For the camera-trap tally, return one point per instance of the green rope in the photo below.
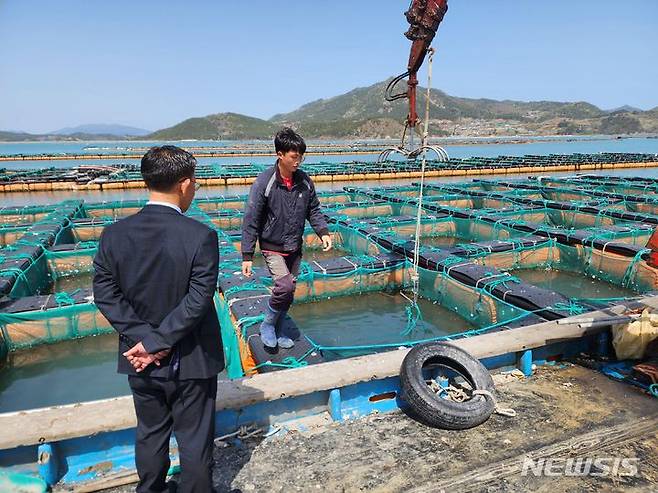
(414, 315)
(245, 322)
(288, 361)
(501, 279)
(22, 256)
(64, 298)
(10, 271)
(249, 286)
(229, 264)
(454, 260)
(632, 268)
(604, 300)
(84, 245)
(572, 308)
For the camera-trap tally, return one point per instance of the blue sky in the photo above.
(152, 64)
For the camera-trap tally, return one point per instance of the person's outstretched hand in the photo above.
(246, 268)
(326, 243)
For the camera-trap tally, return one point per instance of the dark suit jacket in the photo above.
(156, 274)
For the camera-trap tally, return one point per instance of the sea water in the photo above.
(64, 373)
(372, 318)
(571, 284)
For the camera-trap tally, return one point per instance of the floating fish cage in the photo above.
(480, 243)
(218, 150)
(126, 176)
(493, 257)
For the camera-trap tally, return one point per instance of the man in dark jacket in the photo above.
(156, 275)
(280, 201)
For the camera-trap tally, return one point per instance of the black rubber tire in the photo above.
(435, 411)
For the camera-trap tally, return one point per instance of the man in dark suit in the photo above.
(156, 275)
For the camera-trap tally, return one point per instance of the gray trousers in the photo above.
(284, 271)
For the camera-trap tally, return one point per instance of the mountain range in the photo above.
(364, 113)
(103, 129)
(94, 131)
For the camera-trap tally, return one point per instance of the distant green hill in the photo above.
(222, 126)
(368, 102)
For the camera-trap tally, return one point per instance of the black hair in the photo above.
(164, 166)
(288, 140)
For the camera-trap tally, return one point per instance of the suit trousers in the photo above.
(186, 407)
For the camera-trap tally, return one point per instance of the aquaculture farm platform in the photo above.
(118, 176)
(563, 411)
(479, 240)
